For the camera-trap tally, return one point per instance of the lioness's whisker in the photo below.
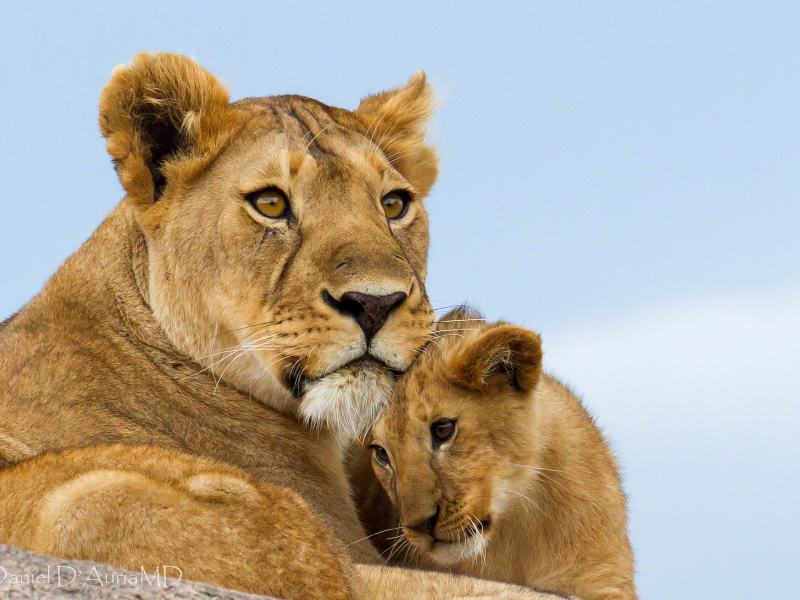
(244, 347)
(441, 337)
(432, 341)
(238, 355)
(294, 366)
(459, 320)
(228, 352)
(264, 324)
(425, 350)
(446, 331)
(275, 362)
(240, 345)
(446, 307)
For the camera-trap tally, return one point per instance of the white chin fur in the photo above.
(347, 402)
(449, 554)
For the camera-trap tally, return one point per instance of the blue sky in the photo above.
(622, 178)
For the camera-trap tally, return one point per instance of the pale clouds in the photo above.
(700, 401)
(714, 358)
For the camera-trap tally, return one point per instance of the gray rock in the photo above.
(28, 576)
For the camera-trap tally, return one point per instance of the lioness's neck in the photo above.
(108, 275)
(88, 346)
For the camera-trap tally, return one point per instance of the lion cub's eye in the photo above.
(395, 204)
(270, 202)
(443, 430)
(380, 454)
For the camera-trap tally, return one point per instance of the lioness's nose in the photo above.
(426, 525)
(370, 312)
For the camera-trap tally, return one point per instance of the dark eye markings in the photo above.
(442, 431)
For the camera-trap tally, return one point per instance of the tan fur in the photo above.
(527, 491)
(190, 322)
(144, 507)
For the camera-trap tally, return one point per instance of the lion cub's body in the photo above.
(142, 508)
(526, 490)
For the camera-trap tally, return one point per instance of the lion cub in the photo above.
(495, 470)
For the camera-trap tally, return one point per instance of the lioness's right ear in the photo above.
(397, 121)
(162, 108)
(504, 354)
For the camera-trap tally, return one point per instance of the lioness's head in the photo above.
(449, 446)
(286, 240)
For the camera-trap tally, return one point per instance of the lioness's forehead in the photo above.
(284, 136)
(320, 130)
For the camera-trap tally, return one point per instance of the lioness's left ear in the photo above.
(397, 121)
(513, 353)
(160, 110)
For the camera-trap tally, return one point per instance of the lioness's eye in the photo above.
(395, 204)
(443, 430)
(270, 202)
(380, 454)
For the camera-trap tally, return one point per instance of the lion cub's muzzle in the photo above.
(450, 534)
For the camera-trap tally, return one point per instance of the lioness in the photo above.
(494, 470)
(247, 301)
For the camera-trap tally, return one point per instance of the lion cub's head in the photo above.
(448, 446)
(285, 240)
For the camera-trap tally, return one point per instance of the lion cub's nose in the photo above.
(426, 525)
(370, 312)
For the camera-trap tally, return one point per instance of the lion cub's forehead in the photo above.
(420, 395)
(429, 387)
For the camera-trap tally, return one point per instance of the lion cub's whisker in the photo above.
(541, 472)
(366, 537)
(536, 506)
(536, 468)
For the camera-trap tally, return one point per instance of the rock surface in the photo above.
(28, 576)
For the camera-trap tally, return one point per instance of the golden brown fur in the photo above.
(92, 504)
(526, 490)
(189, 321)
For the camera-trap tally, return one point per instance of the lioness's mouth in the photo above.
(347, 401)
(299, 384)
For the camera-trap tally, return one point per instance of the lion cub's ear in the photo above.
(504, 354)
(397, 121)
(160, 110)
